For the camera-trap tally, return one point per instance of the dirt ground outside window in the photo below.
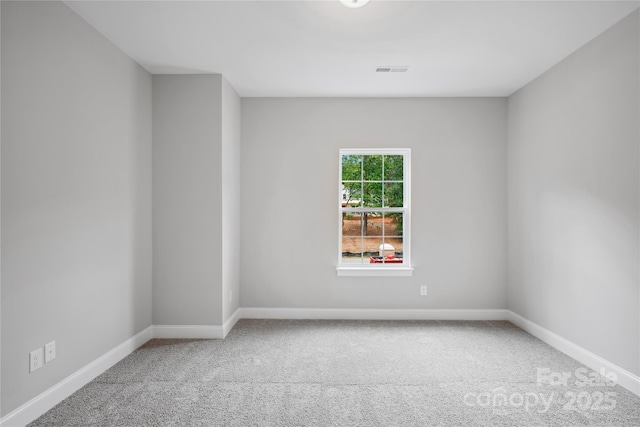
(352, 232)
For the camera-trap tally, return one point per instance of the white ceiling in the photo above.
(321, 48)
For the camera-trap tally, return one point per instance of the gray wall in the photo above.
(574, 195)
(231, 141)
(187, 195)
(289, 213)
(76, 195)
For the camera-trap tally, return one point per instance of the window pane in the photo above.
(351, 168)
(372, 224)
(372, 246)
(393, 168)
(381, 252)
(393, 197)
(352, 250)
(393, 250)
(351, 194)
(352, 224)
(372, 194)
(393, 224)
(372, 168)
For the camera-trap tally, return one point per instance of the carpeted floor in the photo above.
(350, 373)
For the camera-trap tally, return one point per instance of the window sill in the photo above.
(375, 271)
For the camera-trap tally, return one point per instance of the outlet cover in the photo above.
(49, 352)
(35, 360)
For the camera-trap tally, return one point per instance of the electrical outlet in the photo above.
(49, 352)
(35, 360)
(423, 290)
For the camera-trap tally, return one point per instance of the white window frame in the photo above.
(404, 269)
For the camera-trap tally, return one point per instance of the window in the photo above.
(374, 207)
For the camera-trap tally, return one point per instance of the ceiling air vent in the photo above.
(391, 69)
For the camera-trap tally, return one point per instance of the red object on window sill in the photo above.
(385, 260)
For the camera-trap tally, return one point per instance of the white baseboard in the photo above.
(230, 323)
(65, 388)
(625, 378)
(188, 331)
(371, 314)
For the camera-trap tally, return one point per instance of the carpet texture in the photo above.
(350, 373)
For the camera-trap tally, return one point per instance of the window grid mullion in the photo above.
(362, 218)
(374, 210)
(372, 180)
(383, 247)
(382, 191)
(361, 240)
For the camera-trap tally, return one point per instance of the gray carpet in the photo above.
(347, 373)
